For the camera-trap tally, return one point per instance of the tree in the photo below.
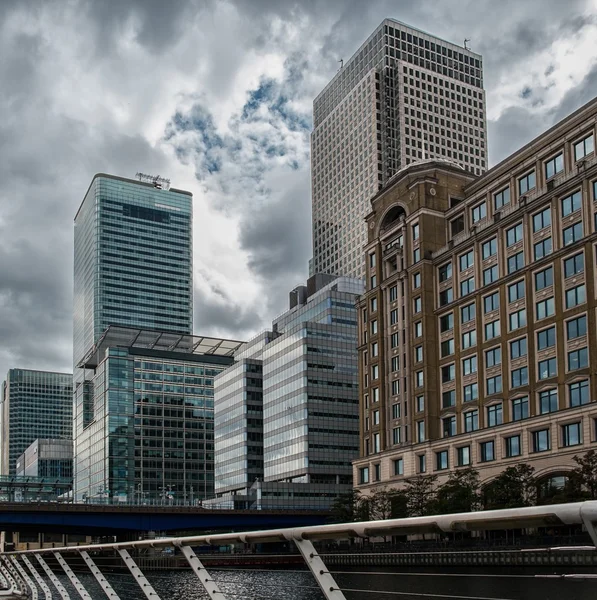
(350, 506)
(460, 493)
(420, 495)
(387, 504)
(512, 488)
(584, 474)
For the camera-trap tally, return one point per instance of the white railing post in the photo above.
(204, 577)
(145, 586)
(30, 584)
(109, 591)
(73, 578)
(61, 589)
(16, 587)
(42, 584)
(324, 579)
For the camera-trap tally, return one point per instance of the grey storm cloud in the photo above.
(217, 93)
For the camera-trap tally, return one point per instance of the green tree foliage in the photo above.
(420, 495)
(584, 476)
(387, 504)
(512, 488)
(349, 507)
(460, 493)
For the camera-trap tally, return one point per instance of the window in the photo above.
(399, 466)
(395, 387)
(492, 330)
(493, 357)
(576, 328)
(520, 377)
(526, 183)
(467, 313)
(520, 408)
(420, 403)
(445, 272)
(416, 280)
(394, 316)
(547, 368)
(449, 426)
(416, 255)
(395, 363)
(545, 308)
(516, 291)
(518, 348)
(418, 353)
(419, 379)
(490, 275)
(441, 460)
(469, 339)
(448, 373)
(571, 204)
(376, 443)
(446, 296)
(512, 445)
(494, 385)
(546, 338)
(541, 440)
(420, 431)
(374, 327)
(375, 372)
(501, 198)
(572, 234)
(548, 401)
(489, 248)
(515, 262)
(396, 435)
(418, 329)
(396, 411)
(542, 219)
(422, 463)
(394, 340)
(375, 417)
(578, 359)
(467, 286)
(518, 319)
(374, 349)
(415, 229)
(446, 322)
(514, 235)
(469, 365)
(463, 456)
(554, 165)
(542, 249)
(471, 392)
(447, 347)
(494, 415)
(584, 147)
(487, 451)
(571, 434)
(544, 278)
(394, 293)
(471, 421)
(457, 225)
(574, 265)
(373, 305)
(575, 296)
(491, 302)
(364, 475)
(375, 392)
(579, 393)
(372, 260)
(373, 281)
(479, 212)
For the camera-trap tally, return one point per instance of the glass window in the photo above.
(420, 403)
(575, 296)
(467, 313)
(364, 475)
(546, 338)
(399, 466)
(514, 235)
(374, 327)
(501, 198)
(494, 385)
(416, 255)
(419, 379)
(467, 286)
(395, 386)
(396, 435)
(518, 348)
(374, 349)
(520, 408)
(375, 372)
(520, 377)
(515, 262)
(420, 431)
(447, 347)
(572, 234)
(457, 225)
(394, 316)
(394, 340)
(449, 426)
(542, 249)
(545, 308)
(415, 231)
(469, 339)
(479, 212)
(490, 275)
(542, 219)
(467, 260)
(448, 399)
(375, 392)
(579, 393)
(471, 421)
(418, 353)
(445, 272)
(442, 460)
(512, 446)
(448, 373)
(419, 329)
(489, 248)
(544, 278)
(571, 434)
(376, 443)
(464, 456)
(548, 401)
(547, 368)
(373, 281)
(393, 293)
(422, 463)
(493, 357)
(487, 451)
(518, 319)
(494, 415)
(416, 280)
(396, 410)
(492, 330)
(571, 203)
(541, 440)
(576, 328)
(446, 322)
(584, 147)
(516, 291)
(526, 183)
(469, 365)
(554, 165)
(372, 260)
(574, 265)
(578, 359)
(446, 296)
(491, 302)
(375, 417)
(471, 392)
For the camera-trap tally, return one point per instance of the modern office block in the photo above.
(148, 434)
(286, 413)
(478, 329)
(35, 404)
(403, 96)
(51, 459)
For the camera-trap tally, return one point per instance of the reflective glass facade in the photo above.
(35, 404)
(47, 459)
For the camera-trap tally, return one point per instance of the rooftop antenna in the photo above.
(465, 46)
(341, 61)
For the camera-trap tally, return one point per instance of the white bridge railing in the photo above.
(28, 573)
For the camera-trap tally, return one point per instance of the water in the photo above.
(406, 584)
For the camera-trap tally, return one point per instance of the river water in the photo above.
(367, 584)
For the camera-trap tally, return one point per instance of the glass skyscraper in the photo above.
(35, 404)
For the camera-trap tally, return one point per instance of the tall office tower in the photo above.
(477, 330)
(286, 413)
(403, 96)
(35, 404)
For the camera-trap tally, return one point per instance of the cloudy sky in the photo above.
(217, 95)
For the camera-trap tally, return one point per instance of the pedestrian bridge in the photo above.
(94, 519)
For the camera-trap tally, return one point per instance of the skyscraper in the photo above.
(403, 96)
(35, 404)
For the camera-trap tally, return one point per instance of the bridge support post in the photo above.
(16, 586)
(42, 584)
(30, 584)
(61, 589)
(204, 577)
(99, 576)
(73, 578)
(324, 579)
(145, 586)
